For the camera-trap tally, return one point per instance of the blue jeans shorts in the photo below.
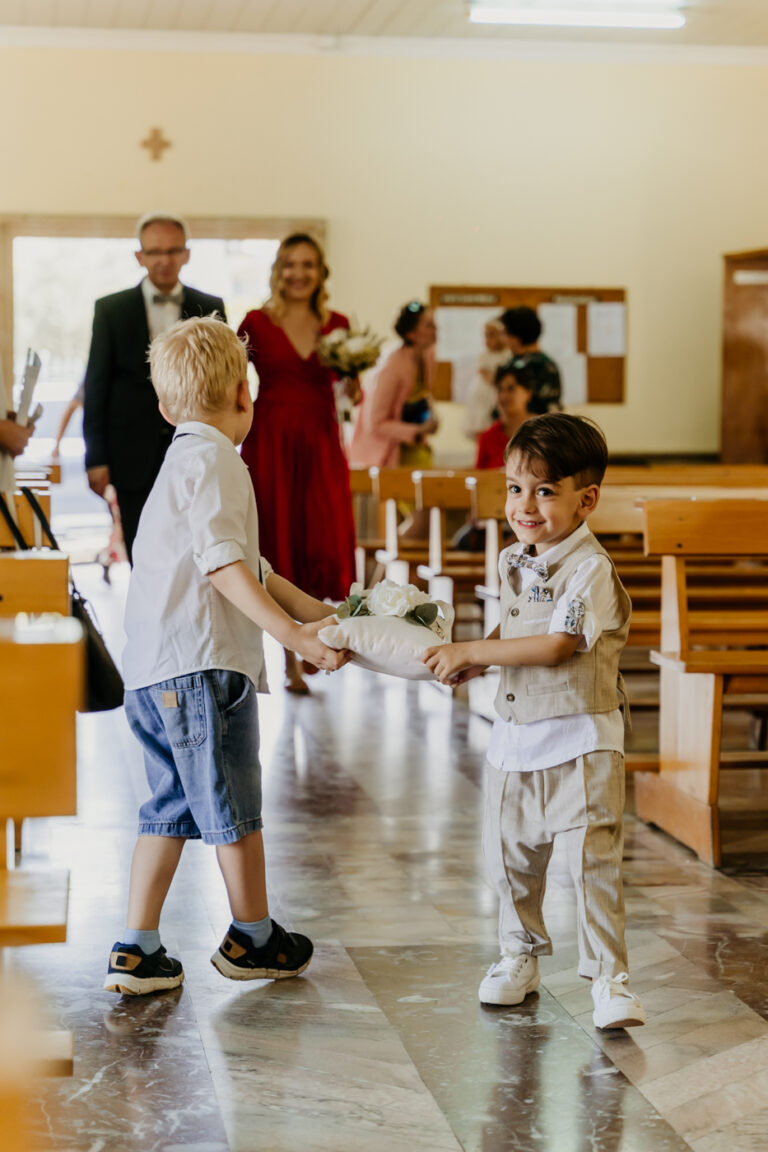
(200, 736)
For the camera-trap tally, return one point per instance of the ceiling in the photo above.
(710, 23)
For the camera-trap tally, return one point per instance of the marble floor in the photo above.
(372, 815)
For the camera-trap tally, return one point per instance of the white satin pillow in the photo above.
(384, 644)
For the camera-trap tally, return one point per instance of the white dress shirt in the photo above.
(556, 740)
(200, 516)
(161, 316)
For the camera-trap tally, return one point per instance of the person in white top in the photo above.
(200, 595)
(556, 757)
(480, 406)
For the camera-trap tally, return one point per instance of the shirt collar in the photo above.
(558, 551)
(206, 431)
(149, 290)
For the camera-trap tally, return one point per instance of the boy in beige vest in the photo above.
(556, 756)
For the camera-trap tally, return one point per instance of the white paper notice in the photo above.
(558, 338)
(462, 377)
(573, 378)
(606, 329)
(460, 331)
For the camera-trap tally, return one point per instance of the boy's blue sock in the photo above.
(147, 939)
(259, 931)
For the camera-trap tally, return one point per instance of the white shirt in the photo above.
(160, 317)
(200, 516)
(556, 740)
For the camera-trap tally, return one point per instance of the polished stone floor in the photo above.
(372, 815)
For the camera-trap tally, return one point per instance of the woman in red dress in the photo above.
(293, 450)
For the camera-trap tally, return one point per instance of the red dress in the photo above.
(490, 447)
(299, 471)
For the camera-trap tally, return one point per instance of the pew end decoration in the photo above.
(389, 627)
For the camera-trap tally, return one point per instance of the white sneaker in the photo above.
(615, 1005)
(510, 980)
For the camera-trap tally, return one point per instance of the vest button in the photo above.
(510, 697)
(514, 611)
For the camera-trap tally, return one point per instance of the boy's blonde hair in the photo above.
(195, 365)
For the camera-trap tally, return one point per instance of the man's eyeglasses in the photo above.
(156, 253)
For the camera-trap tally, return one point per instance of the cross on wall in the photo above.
(156, 143)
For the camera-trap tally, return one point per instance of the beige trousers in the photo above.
(583, 803)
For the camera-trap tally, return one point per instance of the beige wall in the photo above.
(628, 174)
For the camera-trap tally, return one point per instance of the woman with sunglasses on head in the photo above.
(396, 415)
(293, 450)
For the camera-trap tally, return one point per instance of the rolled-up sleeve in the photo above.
(216, 513)
(589, 604)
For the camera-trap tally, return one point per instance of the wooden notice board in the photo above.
(584, 331)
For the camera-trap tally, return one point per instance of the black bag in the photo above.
(104, 688)
(416, 411)
(103, 684)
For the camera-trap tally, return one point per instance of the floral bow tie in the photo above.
(525, 560)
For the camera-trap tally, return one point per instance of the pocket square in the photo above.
(540, 595)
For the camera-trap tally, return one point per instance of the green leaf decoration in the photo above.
(425, 614)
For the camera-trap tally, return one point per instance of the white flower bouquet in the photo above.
(389, 628)
(349, 351)
(404, 600)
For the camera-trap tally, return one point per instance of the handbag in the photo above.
(104, 686)
(416, 411)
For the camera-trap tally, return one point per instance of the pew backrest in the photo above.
(677, 530)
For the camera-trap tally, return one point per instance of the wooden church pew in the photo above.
(41, 686)
(28, 524)
(703, 658)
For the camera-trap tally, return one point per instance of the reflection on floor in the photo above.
(372, 812)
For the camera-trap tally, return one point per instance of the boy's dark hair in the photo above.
(558, 445)
(523, 323)
(408, 318)
(519, 370)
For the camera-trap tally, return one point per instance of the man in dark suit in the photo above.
(126, 438)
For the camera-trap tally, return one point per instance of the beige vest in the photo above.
(588, 681)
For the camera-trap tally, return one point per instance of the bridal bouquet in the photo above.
(349, 351)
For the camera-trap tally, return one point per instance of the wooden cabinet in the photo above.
(744, 421)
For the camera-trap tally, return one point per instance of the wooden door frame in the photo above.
(121, 227)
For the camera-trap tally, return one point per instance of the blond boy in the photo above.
(199, 597)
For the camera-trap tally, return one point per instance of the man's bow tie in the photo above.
(525, 560)
(159, 298)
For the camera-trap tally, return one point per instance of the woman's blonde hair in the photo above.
(276, 304)
(195, 365)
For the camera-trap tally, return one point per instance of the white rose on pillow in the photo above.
(385, 641)
(389, 599)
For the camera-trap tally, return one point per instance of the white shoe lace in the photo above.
(613, 986)
(508, 965)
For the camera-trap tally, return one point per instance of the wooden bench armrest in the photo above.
(33, 907)
(718, 663)
(53, 1053)
(483, 592)
(456, 571)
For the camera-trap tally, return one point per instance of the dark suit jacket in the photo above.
(121, 422)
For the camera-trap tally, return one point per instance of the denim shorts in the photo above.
(200, 736)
